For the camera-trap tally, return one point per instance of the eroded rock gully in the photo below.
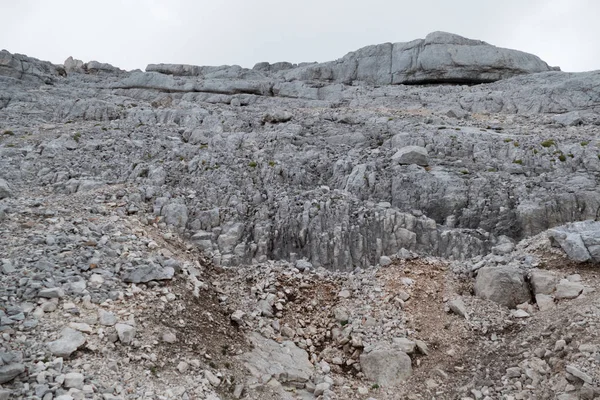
(301, 231)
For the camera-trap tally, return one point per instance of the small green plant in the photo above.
(203, 146)
(252, 164)
(584, 143)
(516, 144)
(492, 170)
(9, 133)
(212, 364)
(69, 122)
(375, 386)
(570, 155)
(76, 136)
(390, 118)
(535, 151)
(104, 128)
(548, 143)
(508, 140)
(520, 162)
(562, 158)
(153, 370)
(464, 172)
(271, 163)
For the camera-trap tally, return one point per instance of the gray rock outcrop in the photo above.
(580, 240)
(439, 58)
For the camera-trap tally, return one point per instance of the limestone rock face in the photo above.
(503, 285)
(28, 69)
(439, 58)
(580, 240)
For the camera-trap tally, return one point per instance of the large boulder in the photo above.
(411, 155)
(386, 367)
(285, 362)
(439, 58)
(503, 285)
(68, 343)
(579, 240)
(444, 57)
(10, 372)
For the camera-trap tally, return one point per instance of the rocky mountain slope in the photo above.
(372, 227)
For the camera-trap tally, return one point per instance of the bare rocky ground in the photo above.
(299, 232)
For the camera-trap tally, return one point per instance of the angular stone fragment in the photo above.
(10, 371)
(457, 306)
(568, 290)
(68, 343)
(5, 190)
(125, 332)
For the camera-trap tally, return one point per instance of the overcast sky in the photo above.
(133, 33)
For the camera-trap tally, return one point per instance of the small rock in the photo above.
(568, 290)
(149, 273)
(384, 261)
(321, 388)
(212, 379)
(81, 327)
(73, 380)
(303, 265)
(51, 293)
(126, 333)
(344, 294)
(579, 374)
(182, 367)
(238, 317)
(457, 306)
(169, 337)
(520, 314)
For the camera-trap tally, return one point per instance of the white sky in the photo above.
(133, 33)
